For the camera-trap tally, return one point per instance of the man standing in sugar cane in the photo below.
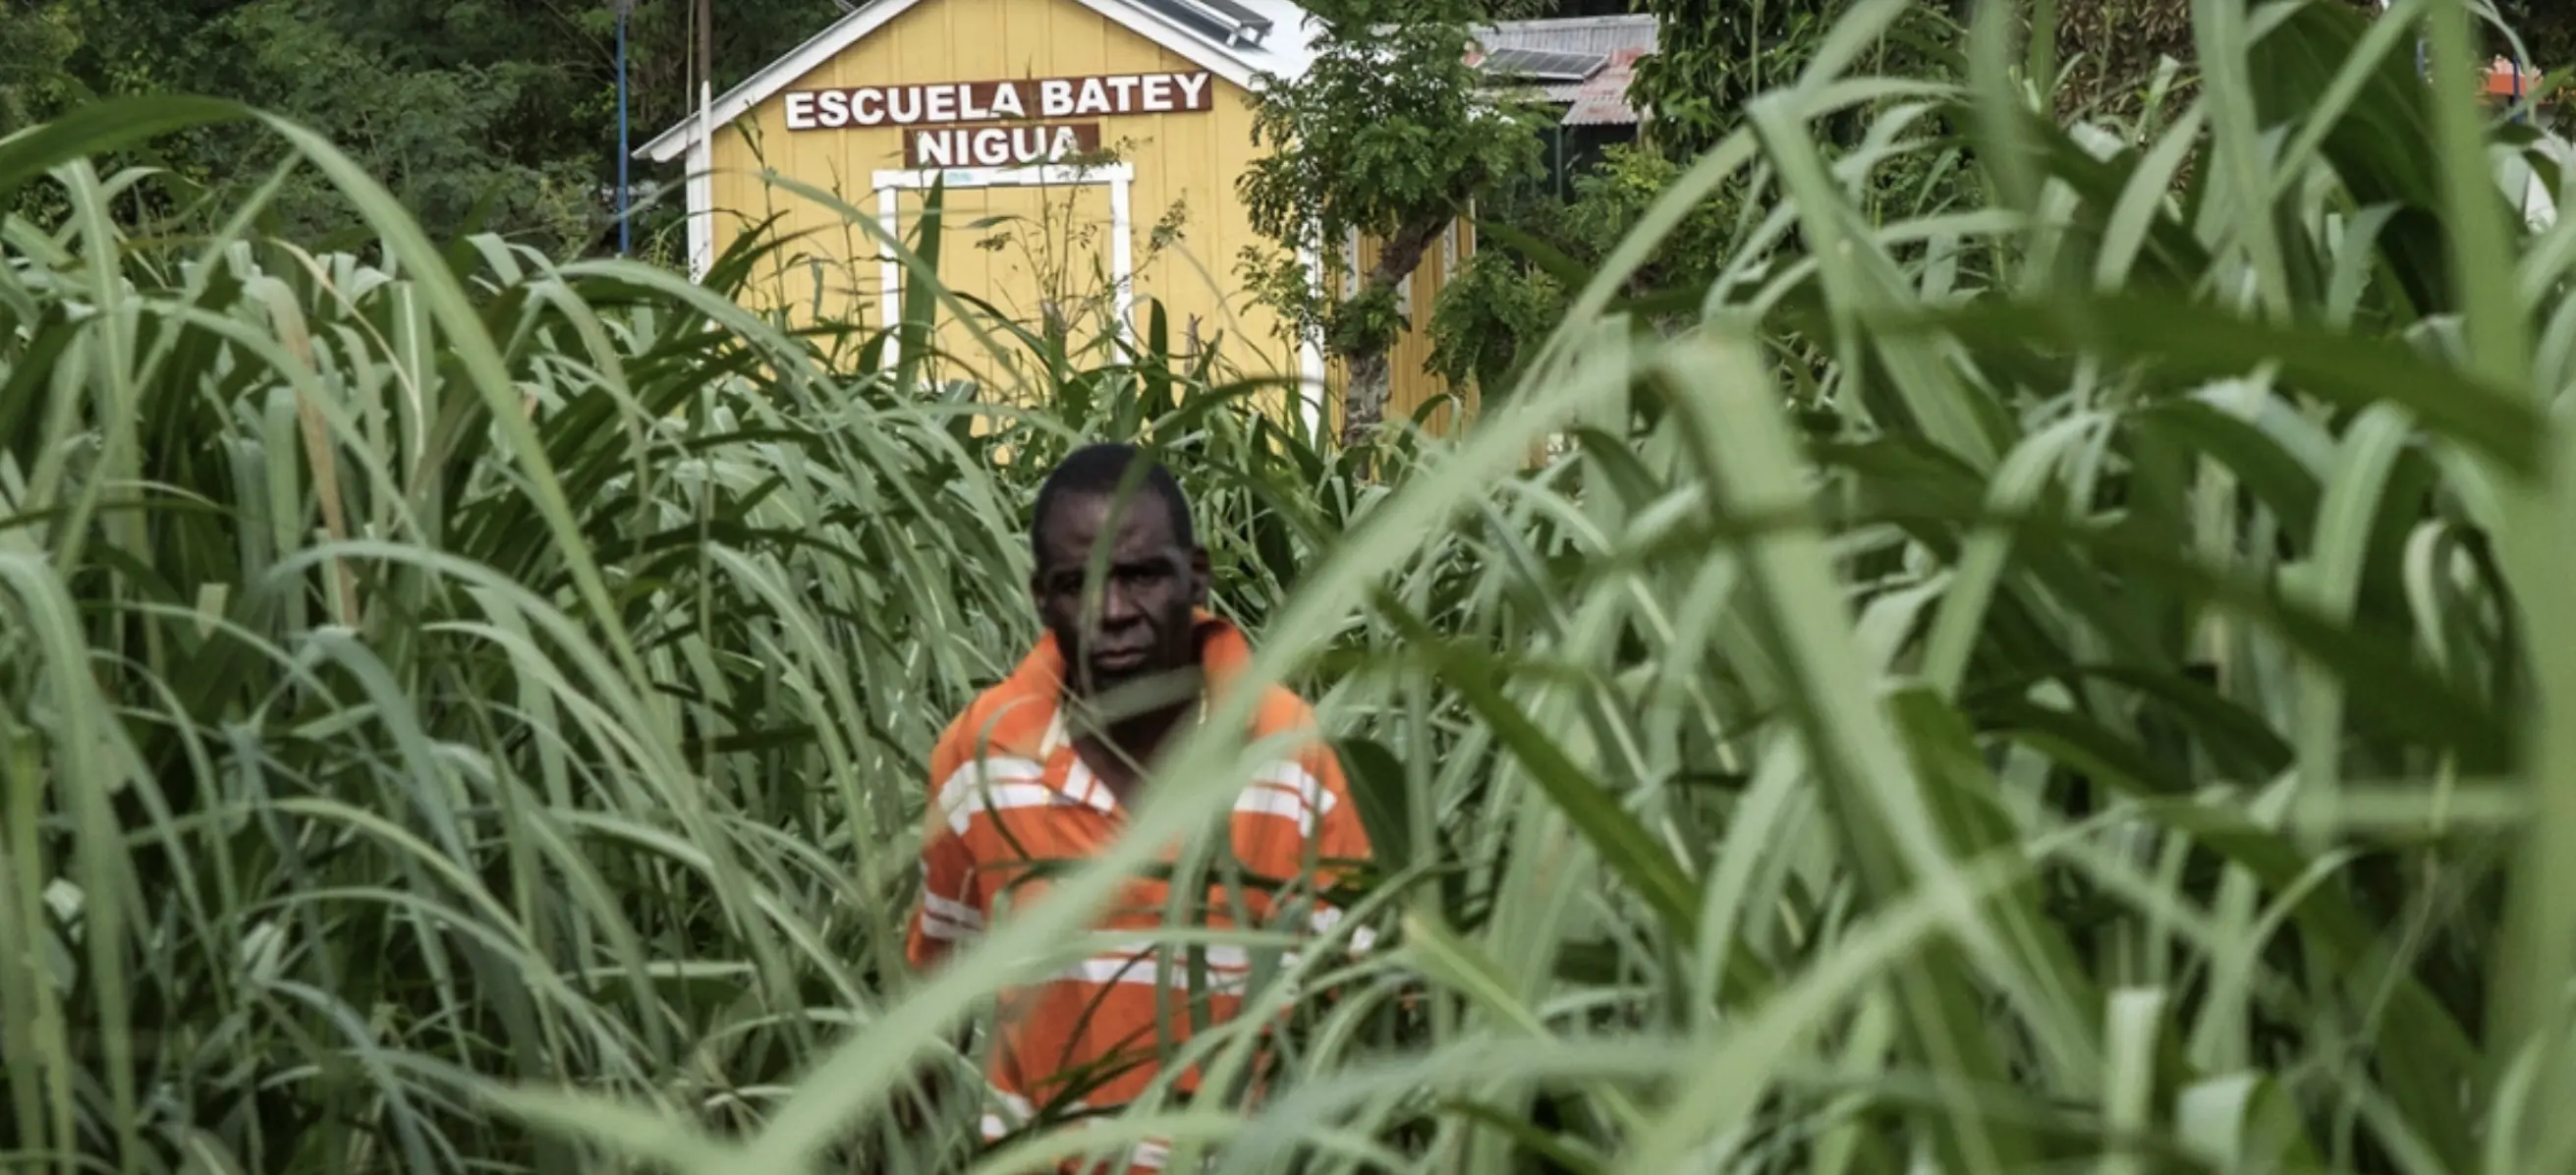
(1047, 766)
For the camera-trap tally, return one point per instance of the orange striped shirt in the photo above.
(1010, 792)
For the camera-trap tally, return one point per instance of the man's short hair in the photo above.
(1102, 471)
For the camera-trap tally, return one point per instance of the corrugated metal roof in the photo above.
(1573, 34)
(1599, 100)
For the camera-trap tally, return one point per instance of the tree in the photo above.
(494, 109)
(2547, 32)
(1711, 56)
(35, 42)
(1392, 133)
(2547, 28)
(1486, 317)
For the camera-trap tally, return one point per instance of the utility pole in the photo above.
(625, 150)
(705, 235)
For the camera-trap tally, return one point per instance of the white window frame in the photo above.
(891, 184)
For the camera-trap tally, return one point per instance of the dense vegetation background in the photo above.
(2108, 63)
(2059, 669)
(502, 113)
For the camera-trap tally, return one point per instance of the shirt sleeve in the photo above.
(949, 912)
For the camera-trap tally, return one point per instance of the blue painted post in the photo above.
(625, 226)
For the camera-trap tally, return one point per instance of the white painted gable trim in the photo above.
(847, 31)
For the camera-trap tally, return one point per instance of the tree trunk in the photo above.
(1372, 380)
(1364, 398)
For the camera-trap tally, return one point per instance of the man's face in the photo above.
(1137, 622)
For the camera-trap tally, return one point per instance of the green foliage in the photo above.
(1499, 309)
(1389, 133)
(1709, 60)
(1712, 55)
(1486, 313)
(2543, 36)
(2068, 682)
(480, 114)
(526, 674)
(36, 40)
(1516, 280)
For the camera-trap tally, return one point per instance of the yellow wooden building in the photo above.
(1088, 151)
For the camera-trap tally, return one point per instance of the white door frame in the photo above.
(891, 184)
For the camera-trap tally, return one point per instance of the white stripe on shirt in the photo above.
(934, 926)
(1106, 969)
(1000, 797)
(1270, 801)
(1293, 777)
(1325, 918)
(1148, 1154)
(952, 910)
(980, 783)
(1228, 968)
